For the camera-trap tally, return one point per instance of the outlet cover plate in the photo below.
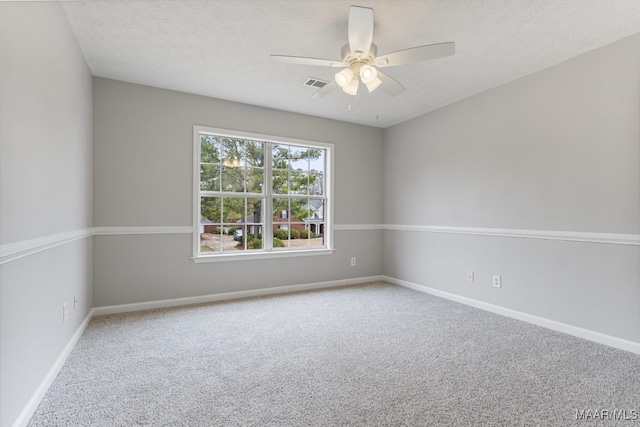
(497, 282)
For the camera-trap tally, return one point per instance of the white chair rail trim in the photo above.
(17, 250)
(13, 251)
(570, 236)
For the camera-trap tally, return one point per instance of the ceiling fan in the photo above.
(360, 62)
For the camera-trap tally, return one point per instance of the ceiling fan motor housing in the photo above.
(365, 58)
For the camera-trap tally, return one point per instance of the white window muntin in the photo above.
(267, 194)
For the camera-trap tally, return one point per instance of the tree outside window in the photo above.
(240, 179)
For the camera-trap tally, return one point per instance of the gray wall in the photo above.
(143, 177)
(558, 150)
(45, 189)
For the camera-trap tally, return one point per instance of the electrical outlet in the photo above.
(497, 282)
(75, 301)
(353, 262)
(65, 312)
(470, 276)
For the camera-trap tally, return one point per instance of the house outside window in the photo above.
(258, 196)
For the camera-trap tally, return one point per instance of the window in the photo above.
(259, 196)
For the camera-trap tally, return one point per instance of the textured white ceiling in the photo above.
(220, 48)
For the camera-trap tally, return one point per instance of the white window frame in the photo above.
(265, 253)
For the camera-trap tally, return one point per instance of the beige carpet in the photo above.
(369, 355)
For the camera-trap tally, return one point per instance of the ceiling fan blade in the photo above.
(415, 54)
(306, 61)
(325, 89)
(390, 85)
(360, 30)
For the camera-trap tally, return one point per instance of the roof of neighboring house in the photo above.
(205, 221)
(316, 203)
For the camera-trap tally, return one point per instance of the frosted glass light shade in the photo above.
(352, 87)
(373, 85)
(368, 74)
(344, 77)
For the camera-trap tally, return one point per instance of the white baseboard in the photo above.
(124, 308)
(619, 343)
(32, 404)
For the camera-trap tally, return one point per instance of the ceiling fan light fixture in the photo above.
(352, 87)
(360, 60)
(369, 76)
(373, 85)
(368, 73)
(344, 77)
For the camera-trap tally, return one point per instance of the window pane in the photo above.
(232, 210)
(232, 179)
(298, 177)
(280, 235)
(209, 177)
(280, 155)
(316, 210)
(232, 152)
(316, 160)
(299, 158)
(280, 209)
(244, 237)
(298, 182)
(280, 217)
(210, 239)
(280, 182)
(233, 237)
(316, 236)
(316, 184)
(299, 210)
(255, 180)
(254, 211)
(315, 222)
(254, 241)
(210, 209)
(209, 227)
(254, 153)
(254, 230)
(209, 149)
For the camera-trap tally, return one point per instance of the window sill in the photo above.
(259, 255)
